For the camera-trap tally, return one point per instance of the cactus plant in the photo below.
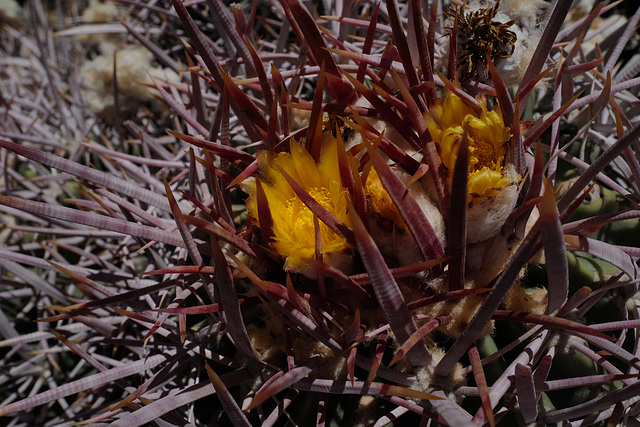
(329, 213)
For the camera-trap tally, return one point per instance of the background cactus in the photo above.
(152, 153)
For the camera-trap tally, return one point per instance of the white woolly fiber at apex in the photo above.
(486, 216)
(133, 70)
(9, 9)
(401, 244)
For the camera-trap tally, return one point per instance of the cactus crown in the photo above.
(347, 213)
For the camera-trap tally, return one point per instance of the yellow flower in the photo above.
(293, 225)
(488, 143)
(380, 201)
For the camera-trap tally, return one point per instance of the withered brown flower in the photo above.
(479, 38)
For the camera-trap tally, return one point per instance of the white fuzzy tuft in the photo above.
(9, 9)
(133, 71)
(400, 244)
(486, 216)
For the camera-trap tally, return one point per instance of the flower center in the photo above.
(301, 219)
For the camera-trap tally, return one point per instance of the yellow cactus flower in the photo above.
(380, 201)
(293, 224)
(488, 143)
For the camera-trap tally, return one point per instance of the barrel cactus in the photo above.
(320, 213)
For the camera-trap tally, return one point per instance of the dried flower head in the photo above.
(480, 36)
